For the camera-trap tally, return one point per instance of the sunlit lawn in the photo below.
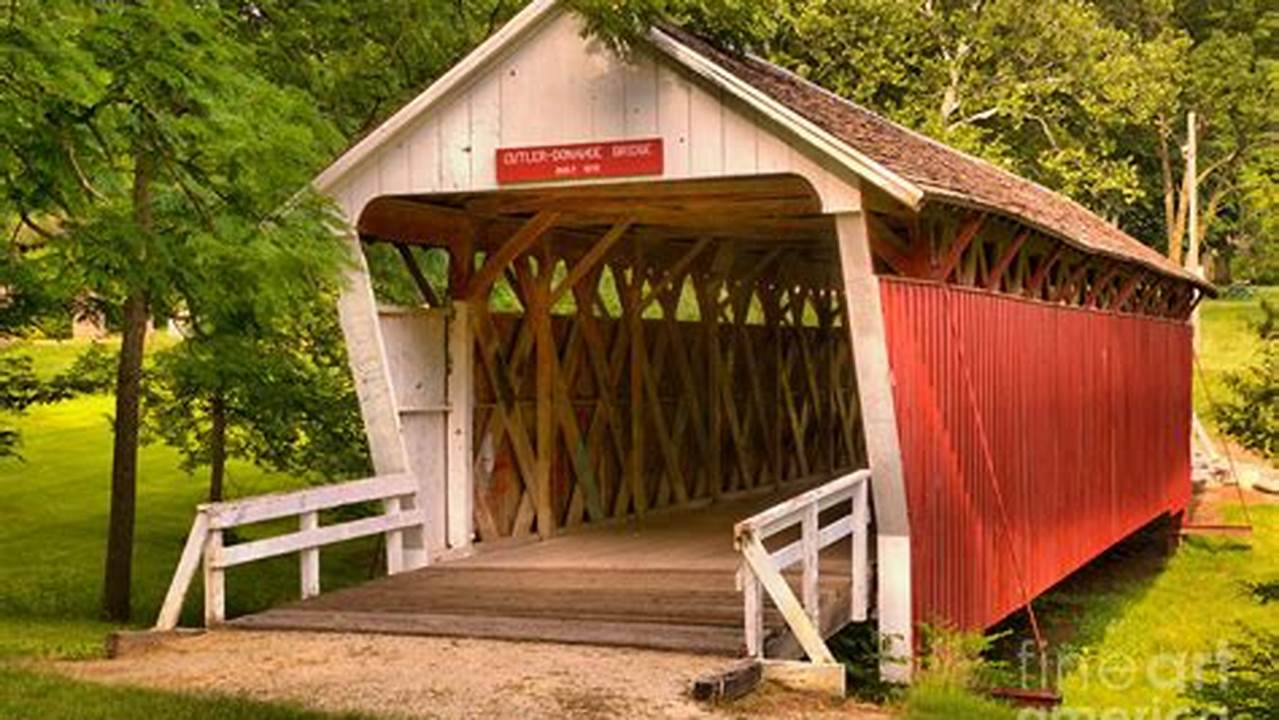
(53, 516)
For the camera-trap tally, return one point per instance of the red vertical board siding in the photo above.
(1087, 418)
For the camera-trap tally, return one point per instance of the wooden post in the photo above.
(460, 490)
(810, 544)
(544, 338)
(394, 539)
(366, 353)
(753, 611)
(860, 542)
(879, 419)
(214, 580)
(309, 559)
(635, 329)
(171, 610)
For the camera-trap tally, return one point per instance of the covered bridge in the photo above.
(688, 295)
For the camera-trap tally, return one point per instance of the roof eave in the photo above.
(899, 188)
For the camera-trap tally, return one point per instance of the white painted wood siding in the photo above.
(556, 86)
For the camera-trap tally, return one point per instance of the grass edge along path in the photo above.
(28, 694)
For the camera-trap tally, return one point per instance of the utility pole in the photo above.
(1199, 432)
(1192, 221)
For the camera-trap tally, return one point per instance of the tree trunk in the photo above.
(124, 462)
(118, 575)
(217, 447)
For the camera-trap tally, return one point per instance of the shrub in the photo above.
(1244, 683)
(1251, 414)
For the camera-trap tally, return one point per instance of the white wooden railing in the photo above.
(761, 570)
(204, 546)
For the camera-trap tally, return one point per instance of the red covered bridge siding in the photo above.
(1086, 413)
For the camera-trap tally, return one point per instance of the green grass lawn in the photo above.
(53, 514)
(1139, 626)
(1228, 341)
(27, 695)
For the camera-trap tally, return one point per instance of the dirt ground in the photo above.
(446, 678)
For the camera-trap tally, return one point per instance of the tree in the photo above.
(286, 402)
(360, 61)
(134, 142)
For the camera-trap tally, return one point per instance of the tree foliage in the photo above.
(1251, 413)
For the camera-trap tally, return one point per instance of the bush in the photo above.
(1251, 414)
(1242, 684)
(92, 372)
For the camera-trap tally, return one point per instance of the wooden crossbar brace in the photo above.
(497, 263)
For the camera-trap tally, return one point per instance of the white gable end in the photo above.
(547, 84)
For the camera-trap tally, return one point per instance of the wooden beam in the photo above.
(867, 340)
(1126, 291)
(1041, 272)
(1099, 285)
(419, 279)
(967, 231)
(996, 275)
(495, 264)
(540, 313)
(591, 259)
(674, 272)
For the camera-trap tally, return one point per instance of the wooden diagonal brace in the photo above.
(591, 259)
(806, 633)
(496, 264)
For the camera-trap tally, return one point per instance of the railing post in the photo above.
(394, 540)
(753, 602)
(810, 540)
(860, 541)
(214, 580)
(309, 559)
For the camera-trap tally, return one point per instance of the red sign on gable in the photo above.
(619, 158)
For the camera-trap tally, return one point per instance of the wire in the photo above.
(1230, 457)
(1040, 643)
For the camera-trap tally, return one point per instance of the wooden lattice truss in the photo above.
(641, 347)
(982, 251)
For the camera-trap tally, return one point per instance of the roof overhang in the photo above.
(897, 187)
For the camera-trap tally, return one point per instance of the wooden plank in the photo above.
(810, 541)
(459, 483)
(796, 619)
(867, 339)
(261, 508)
(214, 580)
(419, 279)
(658, 636)
(366, 354)
(860, 548)
(391, 507)
(309, 559)
(585, 265)
(996, 275)
(731, 683)
(752, 610)
(303, 540)
(540, 314)
(188, 563)
(963, 238)
(833, 532)
(784, 514)
(496, 264)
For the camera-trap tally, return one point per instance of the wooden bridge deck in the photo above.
(667, 583)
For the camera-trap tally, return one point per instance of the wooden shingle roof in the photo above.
(943, 173)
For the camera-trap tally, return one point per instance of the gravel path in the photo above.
(428, 677)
